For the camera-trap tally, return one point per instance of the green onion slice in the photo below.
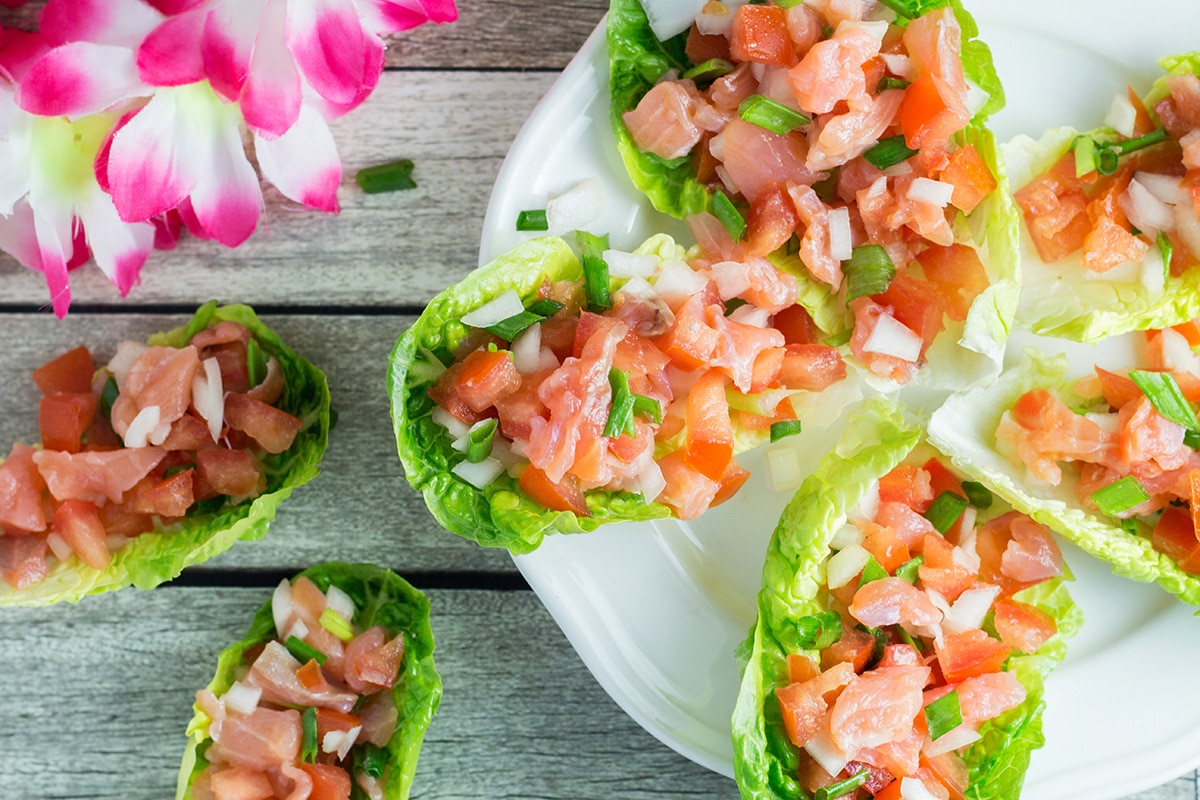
(256, 363)
(512, 327)
(943, 715)
(723, 209)
(978, 495)
(1084, 148)
(889, 82)
(869, 271)
(620, 416)
(390, 177)
(480, 438)
(1192, 439)
(532, 219)
(818, 631)
(784, 428)
(1166, 250)
(945, 510)
(308, 724)
(872, 571)
(1120, 496)
(766, 113)
(708, 71)
(648, 407)
(1166, 397)
(108, 396)
(908, 570)
(889, 152)
(200, 321)
(303, 651)
(334, 623)
(843, 787)
(595, 271)
(370, 760)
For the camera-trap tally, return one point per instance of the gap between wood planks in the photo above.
(261, 309)
(423, 580)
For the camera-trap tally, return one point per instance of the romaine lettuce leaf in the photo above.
(160, 555)
(877, 438)
(964, 428)
(381, 598)
(1066, 300)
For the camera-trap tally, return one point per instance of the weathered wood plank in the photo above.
(488, 33)
(97, 697)
(358, 508)
(395, 249)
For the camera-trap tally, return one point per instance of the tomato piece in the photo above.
(940, 571)
(23, 560)
(702, 47)
(899, 655)
(1109, 244)
(485, 377)
(907, 484)
(189, 433)
(1054, 206)
(969, 653)
(329, 782)
(771, 221)
(800, 668)
(1190, 331)
(708, 445)
(1142, 124)
(760, 34)
(958, 275)
(78, 523)
(767, 366)
(70, 373)
(928, 114)
(691, 342)
(1118, 389)
(563, 496)
(330, 719)
(734, 478)
(1175, 537)
(273, 429)
(1023, 626)
(166, 497)
(969, 175)
(917, 304)
(813, 367)
(310, 676)
(796, 325)
(239, 783)
(21, 487)
(229, 472)
(118, 520)
(855, 648)
(63, 417)
(887, 547)
(941, 479)
(950, 771)
(235, 371)
(688, 492)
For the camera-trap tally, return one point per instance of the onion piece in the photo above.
(651, 481)
(1122, 116)
(960, 736)
(843, 565)
(890, 337)
(630, 265)
(783, 467)
(142, 426)
(899, 65)
(527, 349)
(208, 396)
(1154, 272)
(1188, 226)
(341, 603)
(914, 789)
(977, 97)
(868, 504)
(241, 698)
(122, 361)
(1165, 187)
(453, 425)
(1177, 354)
(677, 282)
(298, 629)
(58, 545)
(732, 278)
(846, 536)
(969, 609)
(1144, 210)
(506, 304)
(840, 242)
(575, 208)
(670, 17)
(826, 753)
(478, 474)
(281, 605)
(927, 190)
(750, 315)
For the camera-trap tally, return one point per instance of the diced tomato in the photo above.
(813, 367)
(1109, 244)
(443, 393)
(760, 34)
(691, 342)
(239, 783)
(796, 325)
(120, 521)
(1142, 123)
(1175, 537)
(1022, 626)
(1118, 389)
(330, 719)
(883, 543)
(563, 496)
(310, 676)
(917, 304)
(70, 373)
(23, 560)
(940, 571)
(189, 432)
(941, 479)
(855, 648)
(971, 178)
(689, 493)
(969, 653)
(21, 486)
(329, 782)
(771, 221)
(229, 472)
(517, 410)
(63, 417)
(1055, 210)
(702, 47)
(907, 484)
(235, 372)
(950, 771)
(379, 666)
(958, 275)
(708, 445)
(485, 377)
(272, 428)
(166, 497)
(800, 668)
(734, 478)
(766, 369)
(78, 523)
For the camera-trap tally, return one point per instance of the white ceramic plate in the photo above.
(655, 610)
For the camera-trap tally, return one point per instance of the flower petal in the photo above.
(227, 198)
(52, 225)
(172, 7)
(271, 97)
(390, 16)
(331, 48)
(19, 50)
(303, 163)
(167, 229)
(151, 163)
(170, 55)
(120, 248)
(228, 42)
(18, 237)
(15, 165)
(123, 23)
(78, 79)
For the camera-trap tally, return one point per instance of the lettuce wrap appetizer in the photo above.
(163, 458)
(1112, 236)
(853, 150)
(331, 690)
(550, 393)
(905, 625)
(1108, 460)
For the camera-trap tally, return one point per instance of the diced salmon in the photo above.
(831, 71)
(875, 204)
(96, 476)
(941, 572)
(878, 707)
(1147, 436)
(1044, 431)
(161, 376)
(753, 158)
(274, 671)
(664, 121)
(844, 137)
(804, 706)
(812, 367)
(23, 560)
(1022, 626)
(910, 527)
(21, 488)
(239, 783)
(984, 697)
(935, 103)
(815, 243)
(1054, 206)
(373, 660)
(892, 601)
(273, 429)
(1032, 554)
(867, 314)
(688, 492)
(259, 740)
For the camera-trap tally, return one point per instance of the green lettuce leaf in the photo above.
(964, 428)
(381, 598)
(878, 437)
(1061, 299)
(162, 554)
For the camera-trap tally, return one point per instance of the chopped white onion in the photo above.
(144, 424)
(1165, 187)
(341, 603)
(969, 609)
(242, 699)
(868, 506)
(1177, 354)
(914, 789)
(638, 288)
(527, 349)
(899, 65)
(977, 97)
(776, 86)
(783, 467)
(895, 171)
(298, 629)
(846, 536)
(1122, 116)
(844, 565)
(1144, 210)
(726, 181)
(630, 265)
(878, 29)
(340, 742)
(960, 736)
(651, 481)
(208, 396)
(575, 208)
(927, 190)
(677, 282)
(122, 361)
(453, 425)
(115, 541)
(506, 304)
(58, 545)
(1154, 272)
(713, 18)
(732, 278)
(281, 605)
(890, 337)
(963, 556)
(840, 241)
(826, 753)
(547, 360)
(1188, 226)
(750, 315)
(968, 522)
(478, 474)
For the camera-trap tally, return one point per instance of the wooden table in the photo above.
(96, 696)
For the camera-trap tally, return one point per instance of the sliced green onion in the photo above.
(843, 787)
(1085, 155)
(1120, 496)
(943, 715)
(723, 209)
(176, 469)
(1166, 397)
(1104, 157)
(370, 760)
(108, 395)
(946, 508)
(256, 363)
(708, 71)
(620, 416)
(595, 271)
(1130, 526)
(766, 113)
(308, 745)
(788, 3)
(733, 304)
(784, 428)
(910, 9)
(840, 338)
(889, 82)
(1192, 439)
(333, 622)
(818, 631)
(908, 570)
(872, 571)
(479, 440)
(889, 152)
(532, 219)
(303, 651)
(907, 638)
(199, 322)
(1167, 251)
(647, 407)
(512, 327)
(390, 177)
(978, 495)
(1154, 137)
(869, 270)
(826, 189)
(881, 641)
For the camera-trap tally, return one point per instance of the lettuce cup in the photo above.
(906, 622)
(166, 456)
